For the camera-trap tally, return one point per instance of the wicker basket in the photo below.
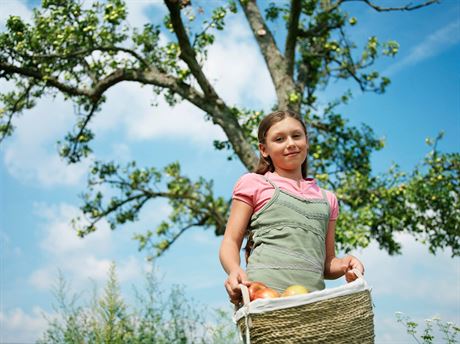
(337, 315)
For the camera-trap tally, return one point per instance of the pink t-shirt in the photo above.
(253, 189)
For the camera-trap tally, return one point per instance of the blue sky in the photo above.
(39, 192)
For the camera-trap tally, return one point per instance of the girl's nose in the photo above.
(290, 142)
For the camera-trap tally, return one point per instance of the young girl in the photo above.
(291, 221)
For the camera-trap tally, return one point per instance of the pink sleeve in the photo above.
(334, 204)
(245, 188)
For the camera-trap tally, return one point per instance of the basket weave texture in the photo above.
(343, 319)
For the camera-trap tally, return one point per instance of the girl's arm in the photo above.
(337, 267)
(229, 253)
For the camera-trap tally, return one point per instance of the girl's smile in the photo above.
(292, 154)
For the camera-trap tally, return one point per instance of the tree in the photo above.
(82, 52)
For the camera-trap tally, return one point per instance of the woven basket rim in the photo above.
(267, 305)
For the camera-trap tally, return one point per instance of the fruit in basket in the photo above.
(255, 287)
(295, 289)
(266, 293)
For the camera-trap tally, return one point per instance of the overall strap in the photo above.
(324, 195)
(327, 202)
(271, 183)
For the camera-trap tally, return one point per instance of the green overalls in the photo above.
(289, 241)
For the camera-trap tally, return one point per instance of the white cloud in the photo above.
(78, 259)
(7, 247)
(416, 283)
(81, 269)
(432, 45)
(31, 153)
(22, 327)
(129, 106)
(397, 275)
(12, 7)
(137, 11)
(131, 268)
(61, 239)
(237, 68)
(122, 152)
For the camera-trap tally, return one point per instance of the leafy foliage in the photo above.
(81, 51)
(425, 203)
(160, 318)
(449, 330)
(192, 203)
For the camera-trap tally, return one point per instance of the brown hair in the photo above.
(265, 164)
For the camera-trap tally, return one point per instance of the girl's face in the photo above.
(286, 144)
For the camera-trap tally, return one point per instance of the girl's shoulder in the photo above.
(330, 195)
(250, 180)
(249, 189)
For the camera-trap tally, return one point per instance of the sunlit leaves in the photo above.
(191, 203)
(15, 102)
(352, 21)
(273, 11)
(68, 44)
(336, 147)
(390, 48)
(148, 40)
(424, 203)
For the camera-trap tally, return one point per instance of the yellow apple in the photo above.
(296, 289)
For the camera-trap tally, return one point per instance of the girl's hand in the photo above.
(235, 277)
(350, 263)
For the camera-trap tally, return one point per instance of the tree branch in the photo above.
(94, 94)
(8, 127)
(219, 112)
(276, 64)
(187, 53)
(152, 76)
(8, 68)
(182, 231)
(408, 7)
(317, 30)
(291, 39)
(84, 52)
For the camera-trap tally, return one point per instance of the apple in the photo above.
(295, 289)
(266, 293)
(254, 287)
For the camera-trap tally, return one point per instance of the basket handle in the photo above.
(358, 273)
(245, 294)
(247, 319)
